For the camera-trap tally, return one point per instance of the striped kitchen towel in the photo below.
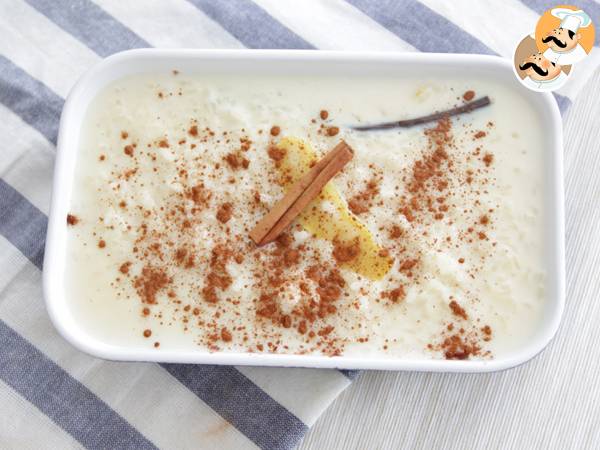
(53, 396)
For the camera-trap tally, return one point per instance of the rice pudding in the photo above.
(428, 244)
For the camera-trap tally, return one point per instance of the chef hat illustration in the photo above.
(571, 20)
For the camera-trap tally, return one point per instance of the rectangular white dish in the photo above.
(296, 62)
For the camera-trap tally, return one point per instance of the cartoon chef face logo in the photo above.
(544, 60)
(561, 40)
(535, 71)
(565, 35)
(538, 68)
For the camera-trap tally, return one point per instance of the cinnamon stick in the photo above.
(301, 194)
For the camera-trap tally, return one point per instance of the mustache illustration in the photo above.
(535, 67)
(556, 41)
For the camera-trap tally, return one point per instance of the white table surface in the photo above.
(552, 402)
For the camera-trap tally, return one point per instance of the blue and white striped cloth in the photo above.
(53, 396)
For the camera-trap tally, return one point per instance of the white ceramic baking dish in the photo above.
(296, 62)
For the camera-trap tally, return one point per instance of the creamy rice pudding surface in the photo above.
(174, 170)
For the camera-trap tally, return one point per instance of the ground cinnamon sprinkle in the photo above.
(321, 288)
(458, 310)
(72, 220)
(267, 306)
(407, 213)
(286, 321)
(124, 134)
(479, 134)
(395, 232)
(275, 130)
(236, 160)
(395, 295)
(357, 207)
(456, 347)
(345, 251)
(226, 335)
(362, 202)
(469, 95)
(332, 131)
(184, 258)
(276, 153)
(488, 158)
(163, 143)
(147, 333)
(128, 150)
(329, 292)
(209, 294)
(199, 195)
(325, 330)
(430, 176)
(218, 278)
(324, 114)
(302, 327)
(427, 168)
(150, 282)
(129, 173)
(225, 212)
(124, 269)
(245, 144)
(487, 333)
(331, 284)
(101, 243)
(384, 252)
(408, 265)
(193, 131)
(291, 257)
